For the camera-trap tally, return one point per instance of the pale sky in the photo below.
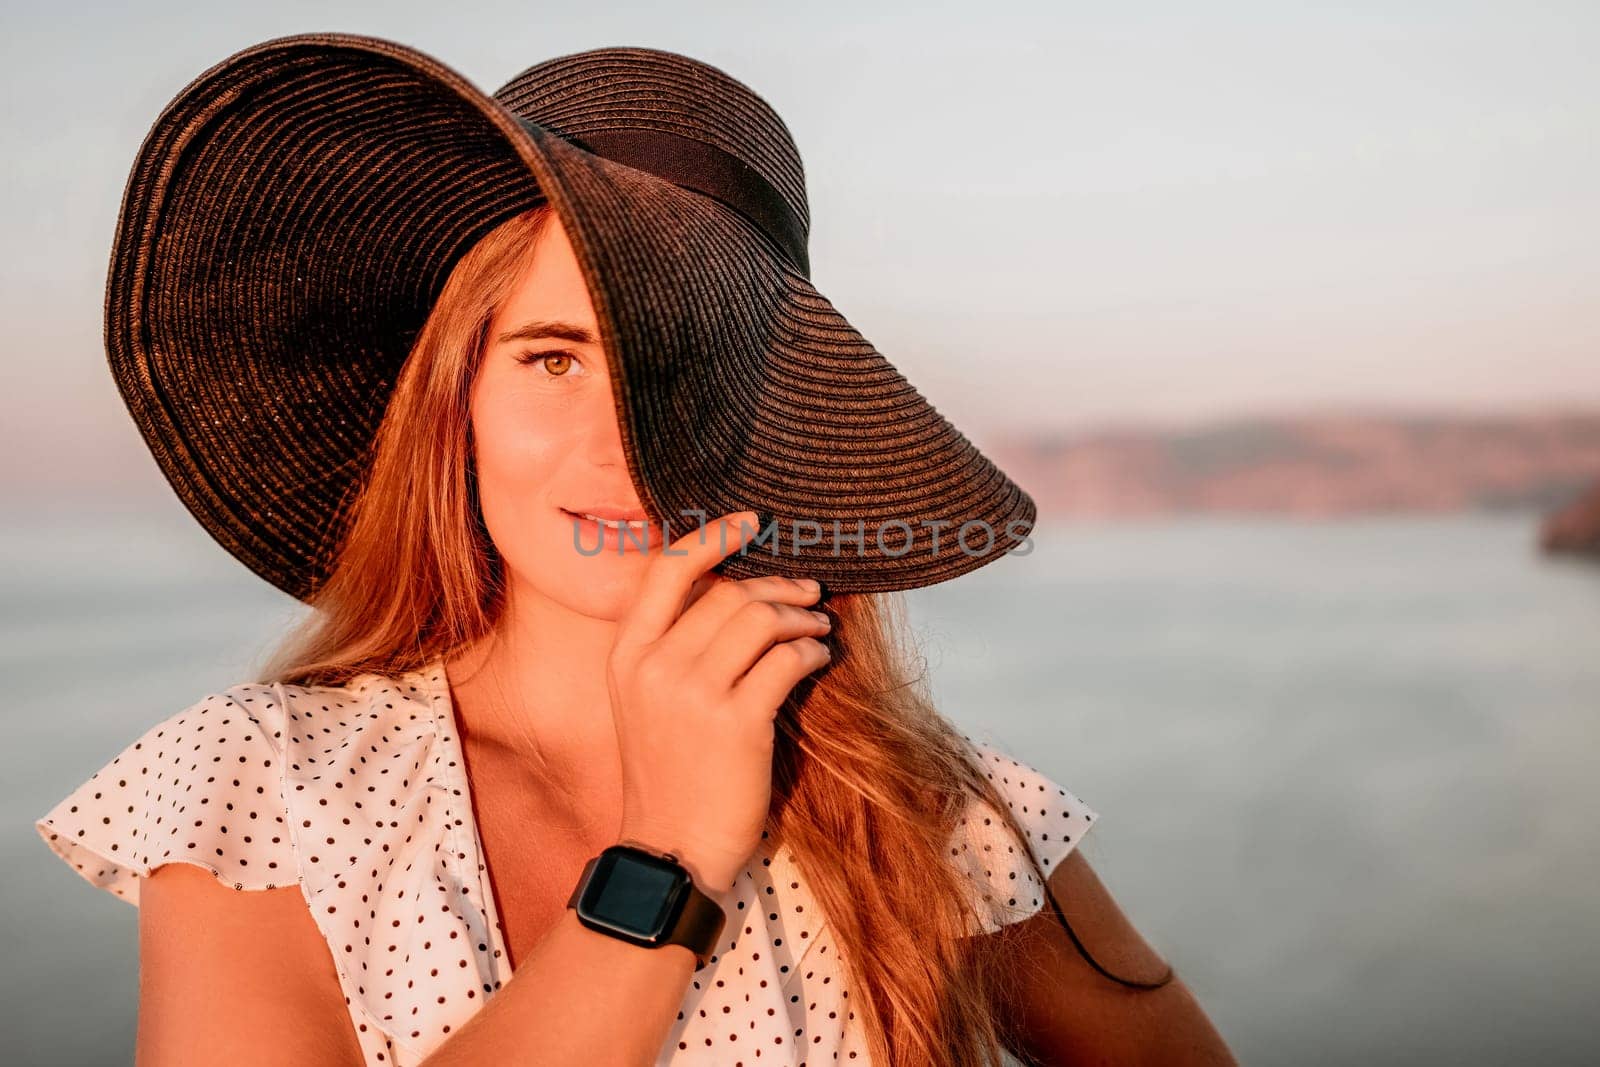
(1045, 214)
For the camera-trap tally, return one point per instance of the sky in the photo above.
(1046, 215)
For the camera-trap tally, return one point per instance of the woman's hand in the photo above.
(700, 666)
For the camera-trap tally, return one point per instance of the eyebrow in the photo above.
(538, 329)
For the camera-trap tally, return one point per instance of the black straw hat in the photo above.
(294, 212)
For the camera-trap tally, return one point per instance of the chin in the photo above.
(601, 587)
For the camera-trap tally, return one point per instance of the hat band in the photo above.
(707, 169)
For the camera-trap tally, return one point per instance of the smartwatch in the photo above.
(647, 898)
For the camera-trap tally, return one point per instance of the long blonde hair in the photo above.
(869, 779)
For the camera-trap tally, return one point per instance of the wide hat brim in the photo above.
(295, 211)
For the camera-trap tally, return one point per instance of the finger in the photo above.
(749, 634)
(768, 684)
(670, 575)
(702, 585)
(697, 627)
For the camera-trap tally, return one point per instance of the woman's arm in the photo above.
(246, 978)
(1065, 1011)
(236, 977)
(581, 998)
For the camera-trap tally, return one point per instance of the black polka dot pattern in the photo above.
(204, 787)
(359, 795)
(1053, 819)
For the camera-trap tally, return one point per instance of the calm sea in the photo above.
(1345, 771)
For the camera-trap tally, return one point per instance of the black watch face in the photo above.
(633, 892)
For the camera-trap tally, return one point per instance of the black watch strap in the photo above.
(699, 925)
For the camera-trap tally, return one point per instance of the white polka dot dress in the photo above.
(358, 795)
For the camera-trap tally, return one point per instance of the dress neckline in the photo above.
(436, 681)
(779, 863)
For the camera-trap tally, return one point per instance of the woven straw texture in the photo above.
(294, 212)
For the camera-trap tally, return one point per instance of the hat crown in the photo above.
(631, 88)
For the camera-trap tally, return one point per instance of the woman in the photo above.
(529, 729)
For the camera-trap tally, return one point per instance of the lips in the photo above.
(610, 513)
(621, 534)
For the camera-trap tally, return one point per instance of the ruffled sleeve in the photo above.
(203, 787)
(1054, 820)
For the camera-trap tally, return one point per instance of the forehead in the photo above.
(549, 287)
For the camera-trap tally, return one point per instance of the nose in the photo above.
(604, 438)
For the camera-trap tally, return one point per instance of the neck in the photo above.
(537, 687)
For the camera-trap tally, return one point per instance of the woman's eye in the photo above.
(556, 364)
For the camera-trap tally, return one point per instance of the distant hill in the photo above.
(1310, 465)
(1574, 528)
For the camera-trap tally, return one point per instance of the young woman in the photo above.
(542, 778)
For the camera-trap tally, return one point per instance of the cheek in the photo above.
(520, 458)
(515, 450)
(515, 455)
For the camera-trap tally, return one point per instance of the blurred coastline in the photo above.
(1315, 465)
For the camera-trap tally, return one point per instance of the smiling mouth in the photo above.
(620, 532)
(615, 524)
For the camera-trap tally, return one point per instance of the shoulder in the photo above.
(1054, 822)
(204, 786)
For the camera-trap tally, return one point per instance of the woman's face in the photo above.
(547, 445)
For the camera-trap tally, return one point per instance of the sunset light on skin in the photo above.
(549, 446)
(1250, 348)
